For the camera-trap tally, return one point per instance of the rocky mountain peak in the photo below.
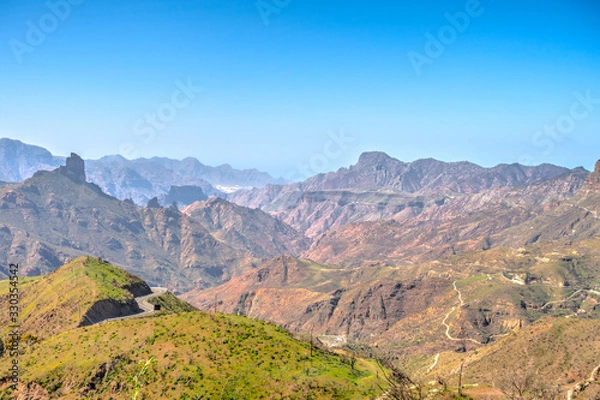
(74, 169)
(153, 203)
(185, 195)
(214, 201)
(373, 158)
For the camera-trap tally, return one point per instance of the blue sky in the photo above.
(268, 84)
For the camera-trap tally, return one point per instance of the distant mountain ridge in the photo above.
(247, 229)
(139, 179)
(378, 171)
(19, 161)
(379, 187)
(57, 215)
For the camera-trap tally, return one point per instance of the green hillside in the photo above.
(189, 356)
(169, 303)
(65, 298)
(176, 353)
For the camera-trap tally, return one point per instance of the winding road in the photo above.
(143, 304)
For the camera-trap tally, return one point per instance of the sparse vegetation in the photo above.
(250, 359)
(62, 299)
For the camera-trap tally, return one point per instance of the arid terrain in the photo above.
(440, 270)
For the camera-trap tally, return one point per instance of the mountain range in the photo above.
(56, 215)
(428, 264)
(140, 179)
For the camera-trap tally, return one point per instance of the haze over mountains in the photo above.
(421, 260)
(140, 179)
(379, 210)
(56, 215)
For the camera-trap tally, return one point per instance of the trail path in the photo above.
(462, 303)
(594, 214)
(435, 361)
(565, 299)
(447, 332)
(580, 386)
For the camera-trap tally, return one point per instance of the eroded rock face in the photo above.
(184, 195)
(75, 169)
(153, 203)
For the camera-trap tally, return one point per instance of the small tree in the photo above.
(401, 386)
(138, 379)
(524, 383)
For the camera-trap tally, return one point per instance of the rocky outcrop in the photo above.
(184, 195)
(74, 169)
(153, 203)
(138, 289)
(246, 229)
(56, 216)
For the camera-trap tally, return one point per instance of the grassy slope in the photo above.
(170, 303)
(59, 300)
(193, 355)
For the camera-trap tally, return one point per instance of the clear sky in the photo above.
(268, 83)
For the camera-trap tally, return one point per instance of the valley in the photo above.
(431, 268)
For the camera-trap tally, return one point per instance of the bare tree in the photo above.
(523, 383)
(400, 385)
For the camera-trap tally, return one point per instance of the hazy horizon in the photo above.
(275, 84)
(295, 174)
